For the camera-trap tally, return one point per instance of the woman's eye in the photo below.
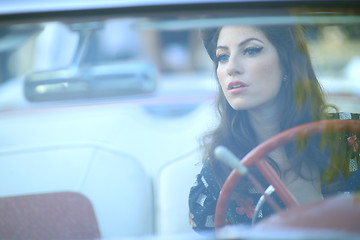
(251, 51)
(222, 58)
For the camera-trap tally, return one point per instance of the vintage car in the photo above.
(103, 105)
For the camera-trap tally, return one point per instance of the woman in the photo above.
(266, 85)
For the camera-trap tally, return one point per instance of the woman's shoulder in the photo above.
(206, 180)
(349, 143)
(202, 199)
(349, 138)
(344, 116)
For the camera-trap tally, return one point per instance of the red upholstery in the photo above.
(62, 215)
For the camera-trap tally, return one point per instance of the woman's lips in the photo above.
(237, 87)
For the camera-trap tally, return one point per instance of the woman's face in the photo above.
(248, 69)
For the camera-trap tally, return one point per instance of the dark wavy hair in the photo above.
(301, 102)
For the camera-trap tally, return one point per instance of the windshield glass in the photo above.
(127, 107)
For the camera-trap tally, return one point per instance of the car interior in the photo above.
(103, 108)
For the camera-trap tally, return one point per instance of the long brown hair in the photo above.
(301, 102)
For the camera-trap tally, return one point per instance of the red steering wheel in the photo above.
(257, 157)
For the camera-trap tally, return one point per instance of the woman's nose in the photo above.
(235, 66)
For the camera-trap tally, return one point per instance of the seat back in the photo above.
(173, 186)
(115, 183)
(62, 215)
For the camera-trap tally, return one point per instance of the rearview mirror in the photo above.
(84, 80)
(95, 81)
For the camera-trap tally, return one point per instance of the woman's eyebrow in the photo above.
(242, 43)
(249, 40)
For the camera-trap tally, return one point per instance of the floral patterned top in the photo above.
(205, 191)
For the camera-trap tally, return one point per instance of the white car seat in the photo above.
(172, 187)
(115, 183)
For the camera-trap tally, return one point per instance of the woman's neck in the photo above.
(265, 121)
